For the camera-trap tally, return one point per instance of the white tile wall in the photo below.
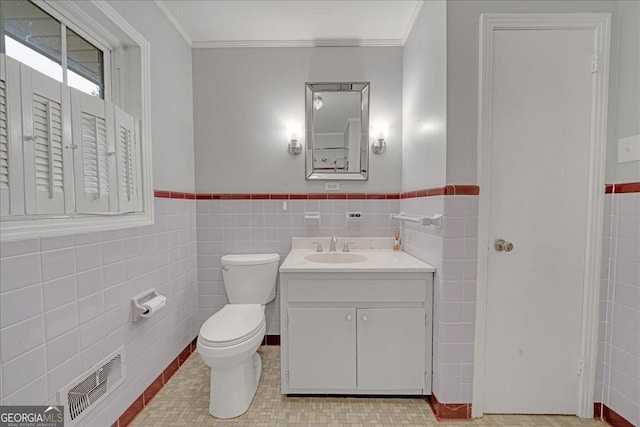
(65, 305)
(618, 369)
(262, 226)
(452, 250)
(65, 301)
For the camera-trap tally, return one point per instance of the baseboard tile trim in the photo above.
(597, 410)
(271, 340)
(449, 411)
(608, 415)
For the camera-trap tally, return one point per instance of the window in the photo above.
(37, 39)
(72, 157)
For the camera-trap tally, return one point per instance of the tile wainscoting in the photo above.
(83, 284)
(65, 305)
(618, 367)
(452, 250)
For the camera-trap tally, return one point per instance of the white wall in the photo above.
(627, 83)
(171, 95)
(244, 98)
(424, 100)
(462, 72)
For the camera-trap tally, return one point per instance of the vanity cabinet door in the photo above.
(391, 349)
(322, 348)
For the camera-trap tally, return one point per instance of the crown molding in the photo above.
(172, 19)
(296, 43)
(412, 21)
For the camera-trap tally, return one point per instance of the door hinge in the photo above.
(286, 322)
(581, 367)
(594, 63)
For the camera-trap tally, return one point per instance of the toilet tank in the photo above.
(250, 278)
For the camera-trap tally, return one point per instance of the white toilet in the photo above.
(229, 339)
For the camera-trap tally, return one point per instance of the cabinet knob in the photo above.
(365, 318)
(349, 317)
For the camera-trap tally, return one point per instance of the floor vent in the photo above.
(92, 387)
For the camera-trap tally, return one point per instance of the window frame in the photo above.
(98, 42)
(112, 34)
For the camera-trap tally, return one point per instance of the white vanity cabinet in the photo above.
(356, 332)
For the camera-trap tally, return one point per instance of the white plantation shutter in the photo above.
(12, 195)
(139, 206)
(127, 160)
(47, 141)
(63, 154)
(94, 165)
(4, 144)
(45, 115)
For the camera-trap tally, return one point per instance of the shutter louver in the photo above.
(95, 169)
(12, 192)
(126, 160)
(94, 155)
(47, 134)
(4, 151)
(4, 138)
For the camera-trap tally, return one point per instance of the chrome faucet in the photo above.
(332, 245)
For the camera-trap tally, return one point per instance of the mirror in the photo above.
(337, 131)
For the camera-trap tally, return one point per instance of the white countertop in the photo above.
(379, 252)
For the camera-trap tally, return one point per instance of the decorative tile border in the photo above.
(141, 402)
(173, 195)
(449, 411)
(622, 187)
(449, 190)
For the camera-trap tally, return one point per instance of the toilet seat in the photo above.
(234, 324)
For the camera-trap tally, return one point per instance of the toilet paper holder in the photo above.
(138, 309)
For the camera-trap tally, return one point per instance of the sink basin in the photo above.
(335, 258)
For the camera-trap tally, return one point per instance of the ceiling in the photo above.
(265, 23)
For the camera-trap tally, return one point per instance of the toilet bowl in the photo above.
(227, 343)
(228, 340)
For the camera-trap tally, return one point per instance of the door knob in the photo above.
(349, 318)
(503, 245)
(365, 318)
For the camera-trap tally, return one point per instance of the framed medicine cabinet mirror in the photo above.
(337, 131)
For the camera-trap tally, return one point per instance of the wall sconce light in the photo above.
(294, 133)
(380, 132)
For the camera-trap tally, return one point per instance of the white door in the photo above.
(541, 91)
(391, 349)
(322, 348)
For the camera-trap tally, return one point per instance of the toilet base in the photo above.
(232, 389)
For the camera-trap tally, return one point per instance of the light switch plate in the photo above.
(331, 186)
(629, 149)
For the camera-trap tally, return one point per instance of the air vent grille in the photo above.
(92, 387)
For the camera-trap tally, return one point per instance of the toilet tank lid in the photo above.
(249, 259)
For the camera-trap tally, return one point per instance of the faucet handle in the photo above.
(346, 247)
(319, 247)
